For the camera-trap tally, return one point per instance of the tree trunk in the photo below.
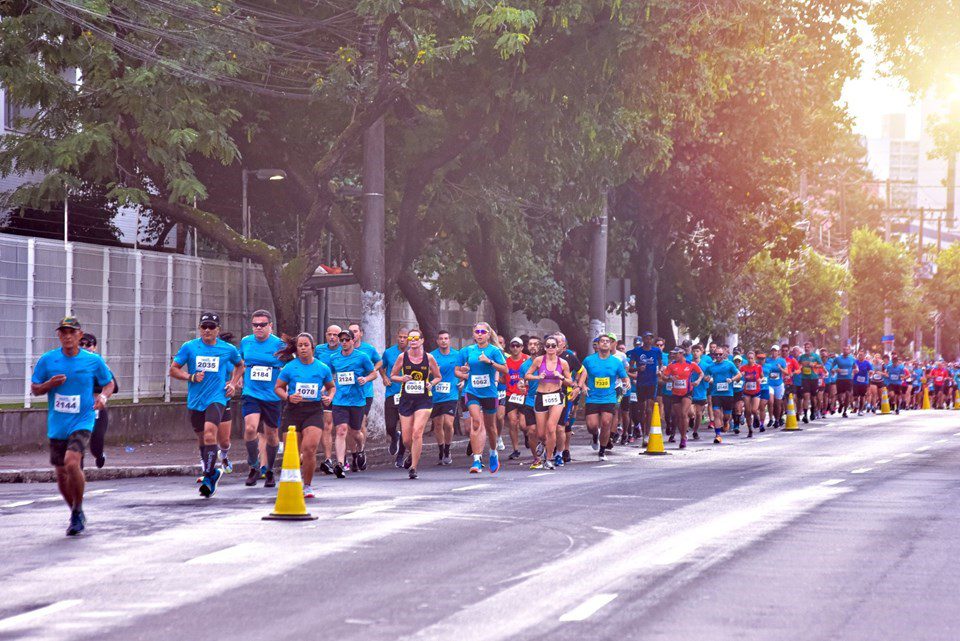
(484, 258)
(572, 327)
(285, 291)
(425, 304)
(665, 327)
(648, 289)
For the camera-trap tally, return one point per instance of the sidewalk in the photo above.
(178, 458)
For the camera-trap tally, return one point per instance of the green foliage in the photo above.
(815, 286)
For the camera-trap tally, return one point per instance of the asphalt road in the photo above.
(844, 531)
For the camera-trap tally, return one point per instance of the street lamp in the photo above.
(259, 174)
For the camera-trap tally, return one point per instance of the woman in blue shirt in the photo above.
(483, 361)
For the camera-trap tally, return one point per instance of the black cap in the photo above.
(346, 333)
(210, 317)
(650, 334)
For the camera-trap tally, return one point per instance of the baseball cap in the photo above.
(609, 335)
(596, 339)
(638, 340)
(69, 322)
(737, 358)
(347, 333)
(210, 317)
(516, 340)
(775, 348)
(650, 334)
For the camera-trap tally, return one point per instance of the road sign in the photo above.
(887, 338)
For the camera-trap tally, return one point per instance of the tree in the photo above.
(762, 300)
(815, 286)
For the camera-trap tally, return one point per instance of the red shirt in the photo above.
(939, 375)
(513, 375)
(751, 379)
(680, 374)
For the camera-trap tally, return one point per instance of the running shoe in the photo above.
(339, 471)
(763, 428)
(514, 455)
(500, 446)
(672, 439)
(270, 480)
(407, 462)
(447, 460)
(308, 492)
(540, 451)
(566, 456)
(361, 459)
(548, 465)
(717, 440)
(226, 465)
(77, 523)
(326, 466)
(696, 436)
(398, 462)
(602, 456)
(476, 467)
(645, 443)
(412, 474)
(558, 460)
(683, 444)
(253, 476)
(200, 479)
(346, 464)
(537, 464)
(101, 461)
(395, 442)
(897, 411)
(750, 433)
(805, 419)
(595, 444)
(736, 430)
(494, 462)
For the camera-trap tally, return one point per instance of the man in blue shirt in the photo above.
(358, 439)
(204, 362)
(721, 375)
(843, 367)
(67, 376)
(261, 406)
(391, 400)
(895, 372)
(353, 370)
(597, 380)
(446, 394)
(645, 361)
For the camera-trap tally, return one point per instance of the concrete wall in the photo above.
(22, 429)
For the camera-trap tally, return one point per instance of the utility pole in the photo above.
(372, 253)
(598, 272)
(887, 321)
(844, 240)
(951, 189)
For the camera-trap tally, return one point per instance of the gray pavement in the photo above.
(845, 530)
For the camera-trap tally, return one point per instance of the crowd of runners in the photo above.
(525, 391)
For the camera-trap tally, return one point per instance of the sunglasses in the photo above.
(260, 325)
(86, 344)
(345, 339)
(479, 331)
(414, 337)
(551, 346)
(208, 326)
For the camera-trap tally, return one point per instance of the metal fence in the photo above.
(143, 305)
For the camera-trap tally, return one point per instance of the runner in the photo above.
(207, 360)
(226, 421)
(940, 375)
(809, 379)
(551, 373)
(323, 353)
(764, 393)
(391, 400)
(89, 342)
(306, 375)
(861, 381)
(752, 376)
(645, 361)
(417, 372)
(700, 392)
(685, 377)
(67, 376)
(352, 370)
(597, 380)
(516, 393)
(895, 374)
(738, 404)
(358, 438)
(482, 361)
(446, 395)
(624, 426)
(528, 415)
(573, 392)
(843, 367)
(775, 368)
(721, 375)
(261, 405)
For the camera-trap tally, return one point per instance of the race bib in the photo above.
(309, 391)
(807, 371)
(414, 387)
(396, 399)
(668, 386)
(894, 377)
(774, 376)
(633, 398)
(207, 364)
(844, 372)
(261, 373)
(442, 388)
(346, 378)
(750, 386)
(723, 387)
(516, 398)
(501, 394)
(602, 382)
(860, 379)
(680, 386)
(763, 381)
(480, 380)
(551, 400)
(66, 404)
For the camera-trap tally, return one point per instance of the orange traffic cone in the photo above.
(655, 444)
(926, 397)
(884, 401)
(290, 505)
(791, 424)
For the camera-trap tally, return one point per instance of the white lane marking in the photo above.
(923, 449)
(606, 530)
(763, 438)
(232, 554)
(861, 470)
(29, 617)
(812, 429)
(600, 467)
(530, 476)
(588, 607)
(882, 461)
(940, 440)
(367, 511)
(902, 455)
(16, 504)
(467, 488)
(829, 482)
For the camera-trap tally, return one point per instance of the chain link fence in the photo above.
(142, 305)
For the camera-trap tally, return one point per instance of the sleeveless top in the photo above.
(419, 374)
(551, 375)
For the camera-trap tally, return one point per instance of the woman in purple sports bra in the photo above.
(551, 373)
